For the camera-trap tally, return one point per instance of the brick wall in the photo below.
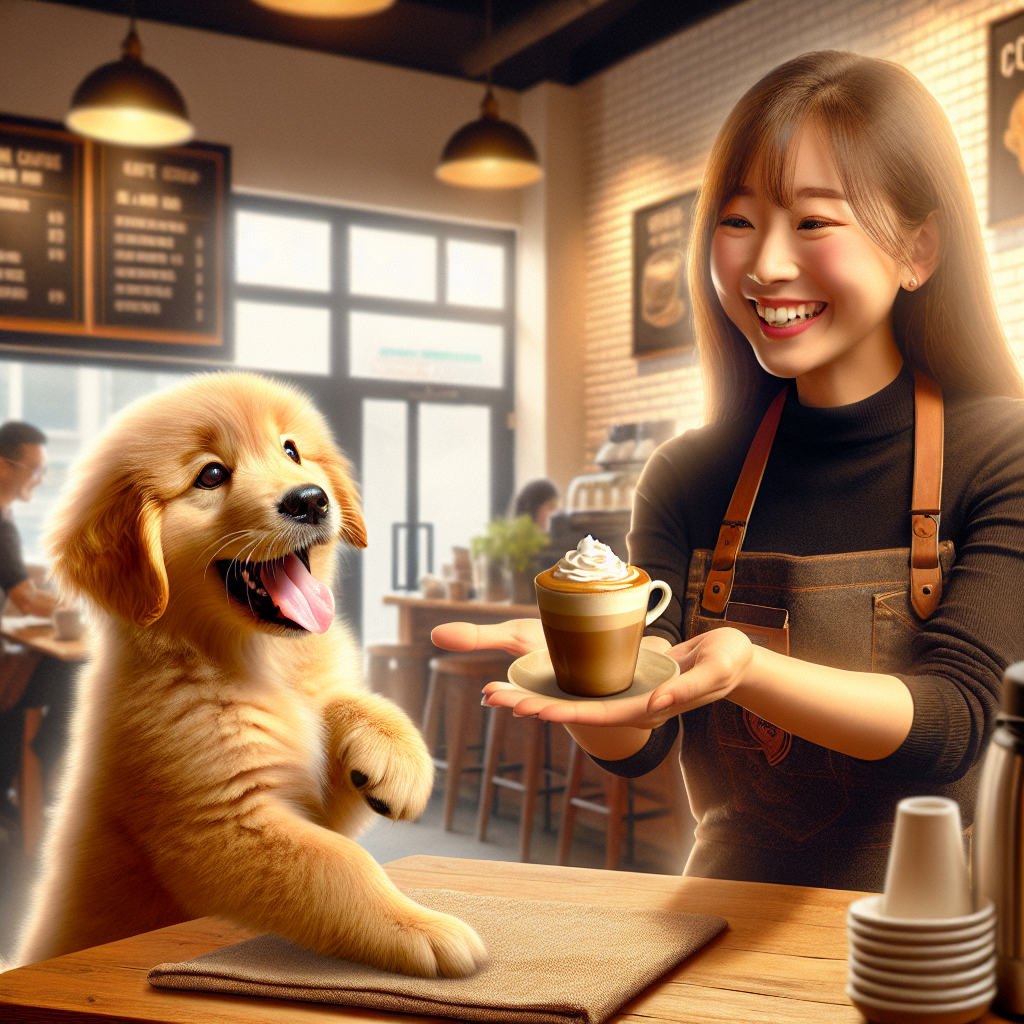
(649, 123)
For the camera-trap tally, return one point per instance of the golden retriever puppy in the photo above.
(225, 748)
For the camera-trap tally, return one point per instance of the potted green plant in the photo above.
(512, 544)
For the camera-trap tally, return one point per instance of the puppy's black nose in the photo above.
(307, 503)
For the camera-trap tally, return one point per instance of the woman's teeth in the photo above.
(784, 315)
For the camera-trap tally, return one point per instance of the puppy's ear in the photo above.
(107, 545)
(353, 529)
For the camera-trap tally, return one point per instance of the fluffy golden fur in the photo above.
(220, 762)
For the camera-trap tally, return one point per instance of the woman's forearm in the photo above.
(863, 714)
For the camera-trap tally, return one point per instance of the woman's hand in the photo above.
(515, 636)
(711, 666)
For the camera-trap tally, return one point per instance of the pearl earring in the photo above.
(912, 284)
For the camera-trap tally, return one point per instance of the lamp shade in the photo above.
(489, 153)
(327, 8)
(129, 103)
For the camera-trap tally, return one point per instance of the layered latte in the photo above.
(593, 607)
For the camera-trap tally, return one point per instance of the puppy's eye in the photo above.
(213, 475)
(292, 451)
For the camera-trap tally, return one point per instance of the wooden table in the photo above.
(417, 616)
(782, 959)
(43, 639)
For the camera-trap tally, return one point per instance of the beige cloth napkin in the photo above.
(550, 963)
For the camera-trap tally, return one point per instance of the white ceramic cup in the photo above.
(593, 632)
(67, 623)
(927, 876)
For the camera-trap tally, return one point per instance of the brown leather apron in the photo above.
(771, 806)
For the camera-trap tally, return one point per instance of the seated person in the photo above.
(22, 468)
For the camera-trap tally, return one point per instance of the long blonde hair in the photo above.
(898, 160)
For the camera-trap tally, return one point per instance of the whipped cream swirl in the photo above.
(592, 562)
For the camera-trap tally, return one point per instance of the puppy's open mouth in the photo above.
(281, 591)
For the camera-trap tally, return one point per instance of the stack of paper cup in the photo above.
(921, 953)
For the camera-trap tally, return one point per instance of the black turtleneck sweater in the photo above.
(839, 480)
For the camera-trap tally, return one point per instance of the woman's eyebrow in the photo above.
(816, 192)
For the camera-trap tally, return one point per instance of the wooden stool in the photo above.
(29, 785)
(399, 672)
(455, 682)
(536, 759)
(618, 804)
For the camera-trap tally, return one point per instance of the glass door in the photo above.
(427, 487)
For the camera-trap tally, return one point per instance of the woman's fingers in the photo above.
(516, 636)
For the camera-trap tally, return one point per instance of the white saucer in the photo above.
(533, 674)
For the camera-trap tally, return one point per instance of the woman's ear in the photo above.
(107, 545)
(926, 247)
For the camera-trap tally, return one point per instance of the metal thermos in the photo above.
(998, 844)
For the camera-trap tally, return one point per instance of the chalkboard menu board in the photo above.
(41, 173)
(110, 248)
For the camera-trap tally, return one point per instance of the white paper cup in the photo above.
(883, 1011)
(937, 980)
(869, 911)
(934, 951)
(927, 966)
(918, 938)
(927, 876)
(904, 994)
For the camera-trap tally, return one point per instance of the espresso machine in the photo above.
(601, 503)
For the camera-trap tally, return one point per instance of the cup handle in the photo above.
(666, 596)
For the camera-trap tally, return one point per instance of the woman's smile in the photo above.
(786, 318)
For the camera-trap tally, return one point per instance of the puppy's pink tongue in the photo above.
(299, 596)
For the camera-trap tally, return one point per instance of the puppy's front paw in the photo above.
(384, 758)
(440, 945)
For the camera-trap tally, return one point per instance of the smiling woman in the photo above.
(860, 387)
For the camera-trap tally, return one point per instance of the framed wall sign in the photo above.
(1006, 120)
(662, 319)
(110, 250)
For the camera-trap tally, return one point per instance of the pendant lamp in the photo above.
(327, 8)
(489, 152)
(129, 103)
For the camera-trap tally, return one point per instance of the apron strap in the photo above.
(925, 571)
(718, 586)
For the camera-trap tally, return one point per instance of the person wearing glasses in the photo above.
(22, 468)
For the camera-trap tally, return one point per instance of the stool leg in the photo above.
(616, 789)
(492, 749)
(572, 787)
(531, 780)
(431, 713)
(455, 726)
(30, 788)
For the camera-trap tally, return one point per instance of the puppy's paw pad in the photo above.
(379, 806)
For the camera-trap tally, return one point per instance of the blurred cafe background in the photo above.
(465, 333)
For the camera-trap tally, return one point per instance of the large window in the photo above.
(71, 405)
(402, 330)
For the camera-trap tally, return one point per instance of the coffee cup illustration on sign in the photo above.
(661, 303)
(593, 608)
(1013, 137)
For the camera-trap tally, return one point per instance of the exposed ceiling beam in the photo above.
(524, 33)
